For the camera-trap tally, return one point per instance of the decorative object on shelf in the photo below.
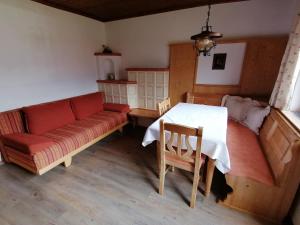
(106, 49)
(110, 76)
(205, 41)
(219, 61)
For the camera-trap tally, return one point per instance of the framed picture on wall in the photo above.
(219, 61)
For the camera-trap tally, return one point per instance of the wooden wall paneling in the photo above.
(260, 69)
(105, 11)
(217, 89)
(182, 71)
(262, 62)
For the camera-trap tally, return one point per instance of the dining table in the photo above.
(213, 121)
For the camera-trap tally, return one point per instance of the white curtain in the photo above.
(289, 71)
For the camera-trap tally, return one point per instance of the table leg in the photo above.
(134, 121)
(209, 175)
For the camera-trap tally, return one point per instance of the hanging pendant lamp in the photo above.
(205, 41)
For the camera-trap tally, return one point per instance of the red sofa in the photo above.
(40, 137)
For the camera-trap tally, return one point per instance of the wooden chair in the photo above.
(188, 159)
(164, 106)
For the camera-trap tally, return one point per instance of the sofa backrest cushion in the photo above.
(11, 122)
(86, 105)
(48, 116)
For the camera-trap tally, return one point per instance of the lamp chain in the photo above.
(208, 15)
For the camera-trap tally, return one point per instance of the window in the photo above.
(294, 113)
(295, 104)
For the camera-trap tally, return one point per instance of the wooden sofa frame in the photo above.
(67, 159)
(280, 143)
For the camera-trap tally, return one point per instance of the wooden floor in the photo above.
(113, 182)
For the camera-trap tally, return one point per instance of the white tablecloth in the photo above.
(213, 119)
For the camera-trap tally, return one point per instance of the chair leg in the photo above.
(194, 190)
(158, 156)
(162, 179)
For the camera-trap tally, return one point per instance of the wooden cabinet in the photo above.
(182, 71)
(152, 85)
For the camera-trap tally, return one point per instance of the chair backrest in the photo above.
(182, 133)
(164, 106)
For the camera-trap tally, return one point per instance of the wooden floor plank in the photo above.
(113, 182)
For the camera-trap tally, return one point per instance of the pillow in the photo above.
(27, 143)
(237, 107)
(255, 117)
(224, 98)
(49, 116)
(86, 105)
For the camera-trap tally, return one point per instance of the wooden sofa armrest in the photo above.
(280, 142)
(116, 107)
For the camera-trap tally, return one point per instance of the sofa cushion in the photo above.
(246, 156)
(80, 132)
(27, 143)
(49, 116)
(86, 105)
(124, 108)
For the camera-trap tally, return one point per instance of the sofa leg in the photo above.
(68, 162)
(121, 130)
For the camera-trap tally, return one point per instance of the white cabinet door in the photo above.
(153, 87)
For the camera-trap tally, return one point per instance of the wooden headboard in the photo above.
(216, 99)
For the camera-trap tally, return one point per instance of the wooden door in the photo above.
(182, 71)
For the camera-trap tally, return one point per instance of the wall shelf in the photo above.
(116, 81)
(147, 69)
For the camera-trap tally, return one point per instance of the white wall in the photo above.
(45, 53)
(143, 41)
(231, 74)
